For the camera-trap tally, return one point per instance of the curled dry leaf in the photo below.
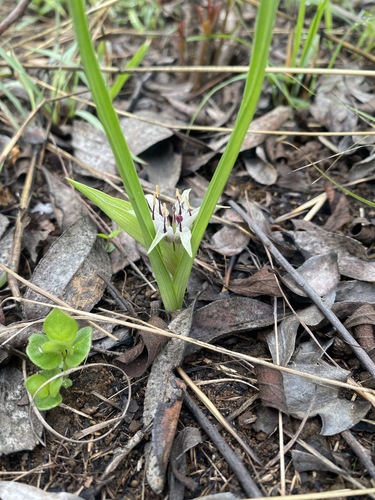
(270, 384)
(163, 400)
(362, 230)
(363, 323)
(137, 359)
(263, 282)
(185, 440)
(163, 433)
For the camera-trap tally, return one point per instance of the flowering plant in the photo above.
(171, 238)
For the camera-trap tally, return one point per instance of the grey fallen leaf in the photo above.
(269, 121)
(31, 240)
(66, 202)
(355, 268)
(303, 462)
(16, 433)
(4, 223)
(6, 243)
(363, 168)
(91, 146)
(259, 168)
(351, 294)
(352, 256)
(227, 317)
(219, 496)
(304, 396)
(317, 242)
(229, 240)
(141, 135)
(128, 251)
(163, 167)
(320, 271)
(340, 414)
(355, 291)
(282, 345)
(20, 491)
(69, 270)
(334, 102)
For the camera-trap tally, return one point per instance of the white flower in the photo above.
(174, 226)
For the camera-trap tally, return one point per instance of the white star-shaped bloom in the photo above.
(176, 226)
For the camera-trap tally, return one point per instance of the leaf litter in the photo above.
(246, 301)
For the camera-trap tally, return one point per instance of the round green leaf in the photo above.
(60, 326)
(80, 348)
(67, 382)
(33, 383)
(55, 385)
(36, 353)
(48, 403)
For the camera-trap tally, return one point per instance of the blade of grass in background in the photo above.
(134, 62)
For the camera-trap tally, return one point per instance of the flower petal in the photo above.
(160, 234)
(185, 237)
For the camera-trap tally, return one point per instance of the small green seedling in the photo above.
(62, 346)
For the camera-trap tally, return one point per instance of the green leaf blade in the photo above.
(80, 348)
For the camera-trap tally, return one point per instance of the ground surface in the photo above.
(246, 303)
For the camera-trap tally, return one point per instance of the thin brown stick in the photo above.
(16, 13)
(310, 292)
(21, 223)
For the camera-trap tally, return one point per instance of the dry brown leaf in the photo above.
(271, 391)
(263, 282)
(228, 316)
(137, 359)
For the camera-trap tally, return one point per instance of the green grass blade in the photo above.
(134, 62)
(263, 35)
(298, 32)
(344, 189)
(120, 149)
